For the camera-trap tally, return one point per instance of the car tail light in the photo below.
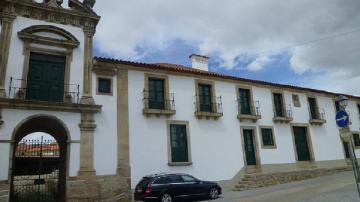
(148, 190)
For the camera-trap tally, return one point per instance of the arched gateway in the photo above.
(39, 164)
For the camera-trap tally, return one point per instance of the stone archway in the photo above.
(39, 167)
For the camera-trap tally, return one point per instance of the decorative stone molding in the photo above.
(317, 121)
(28, 35)
(278, 119)
(79, 15)
(104, 69)
(7, 18)
(48, 106)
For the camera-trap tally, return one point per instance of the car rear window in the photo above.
(145, 181)
(161, 180)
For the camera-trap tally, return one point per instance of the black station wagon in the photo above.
(168, 187)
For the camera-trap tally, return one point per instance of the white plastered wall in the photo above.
(13, 117)
(216, 147)
(105, 140)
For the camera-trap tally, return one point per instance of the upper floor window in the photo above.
(337, 106)
(45, 78)
(156, 93)
(282, 112)
(207, 104)
(205, 98)
(278, 105)
(245, 101)
(313, 108)
(157, 99)
(104, 86)
(248, 109)
(358, 107)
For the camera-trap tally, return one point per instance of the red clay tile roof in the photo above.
(188, 70)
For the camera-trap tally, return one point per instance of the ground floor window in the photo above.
(179, 147)
(267, 137)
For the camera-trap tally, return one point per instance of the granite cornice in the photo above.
(29, 9)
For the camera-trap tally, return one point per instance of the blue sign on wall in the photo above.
(342, 118)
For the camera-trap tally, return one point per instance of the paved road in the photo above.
(334, 188)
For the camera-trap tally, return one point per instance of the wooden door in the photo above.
(301, 143)
(249, 146)
(45, 80)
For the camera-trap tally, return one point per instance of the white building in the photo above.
(116, 121)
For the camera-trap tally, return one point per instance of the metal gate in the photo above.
(36, 173)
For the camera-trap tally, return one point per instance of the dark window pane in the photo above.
(156, 93)
(356, 139)
(278, 103)
(313, 108)
(104, 85)
(245, 101)
(205, 97)
(337, 106)
(267, 137)
(45, 79)
(178, 141)
(161, 180)
(174, 179)
(187, 178)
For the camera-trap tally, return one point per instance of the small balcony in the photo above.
(45, 95)
(317, 116)
(158, 107)
(43, 91)
(283, 115)
(209, 110)
(249, 111)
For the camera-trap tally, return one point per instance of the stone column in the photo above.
(87, 128)
(87, 98)
(5, 37)
(123, 167)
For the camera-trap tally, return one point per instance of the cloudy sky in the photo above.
(308, 43)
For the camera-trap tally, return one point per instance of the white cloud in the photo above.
(230, 29)
(259, 63)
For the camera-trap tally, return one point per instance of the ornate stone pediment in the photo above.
(79, 14)
(67, 40)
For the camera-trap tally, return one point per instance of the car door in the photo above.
(192, 186)
(176, 186)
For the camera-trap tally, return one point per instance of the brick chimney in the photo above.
(199, 62)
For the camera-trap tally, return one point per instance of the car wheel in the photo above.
(166, 198)
(214, 193)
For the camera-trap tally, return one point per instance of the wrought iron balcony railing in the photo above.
(249, 110)
(317, 115)
(284, 114)
(163, 105)
(210, 109)
(70, 93)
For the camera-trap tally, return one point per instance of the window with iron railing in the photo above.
(252, 108)
(214, 105)
(43, 91)
(163, 102)
(278, 105)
